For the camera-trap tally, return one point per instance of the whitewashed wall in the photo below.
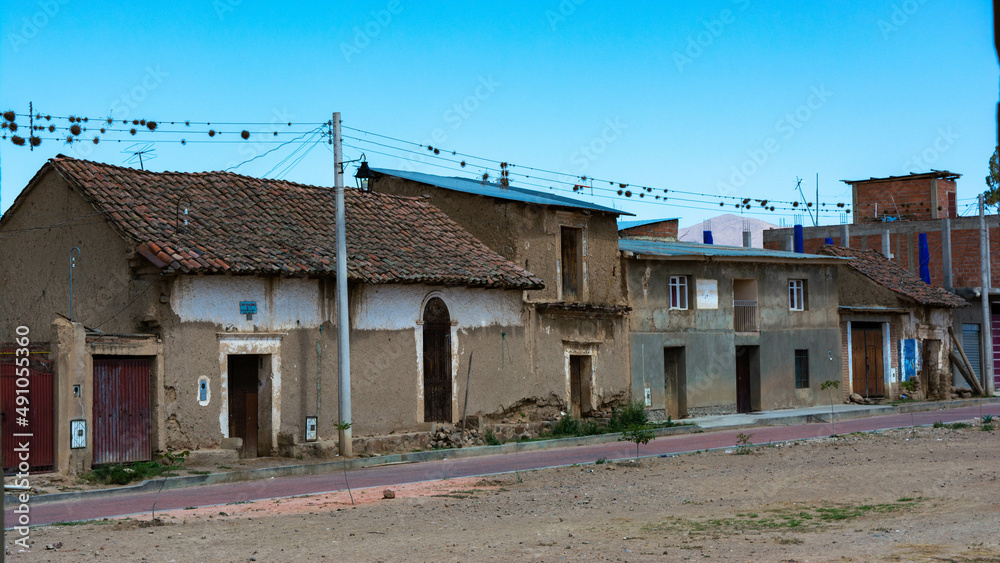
(282, 303)
(398, 307)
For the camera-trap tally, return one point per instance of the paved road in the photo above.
(384, 476)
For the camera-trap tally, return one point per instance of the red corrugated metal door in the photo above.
(121, 410)
(36, 428)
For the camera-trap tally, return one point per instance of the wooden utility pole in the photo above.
(343, 326)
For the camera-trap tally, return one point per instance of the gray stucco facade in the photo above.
(685, 362)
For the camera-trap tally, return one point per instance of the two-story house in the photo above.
(577, 328)
(718, 330)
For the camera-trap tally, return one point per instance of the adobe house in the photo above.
(889, 215)
(577, 326)
(894, 327)
(203, 312)
(720, 330)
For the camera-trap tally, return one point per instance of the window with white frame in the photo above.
(679, 292)
(797, 295)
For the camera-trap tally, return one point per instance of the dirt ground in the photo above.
(922, 494)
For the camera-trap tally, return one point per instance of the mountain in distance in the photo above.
(727, 230)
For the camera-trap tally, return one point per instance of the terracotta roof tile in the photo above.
(873, 265)
(239, 224)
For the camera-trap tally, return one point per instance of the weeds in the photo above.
(743, 444)
(491, 439)
(125, 473)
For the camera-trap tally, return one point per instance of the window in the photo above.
(571, 242)
(802, 369)
(797, 295)
(678, 292)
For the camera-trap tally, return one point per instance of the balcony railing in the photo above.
(745, 315)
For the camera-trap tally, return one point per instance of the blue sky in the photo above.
(732, 98)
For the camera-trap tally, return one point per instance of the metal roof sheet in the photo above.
(668, 248)
(492, 189)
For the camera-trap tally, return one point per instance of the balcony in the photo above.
(745, 315)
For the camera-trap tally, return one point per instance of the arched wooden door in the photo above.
(437, 361)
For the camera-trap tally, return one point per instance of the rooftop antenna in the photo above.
(798, 186)
(136, 151)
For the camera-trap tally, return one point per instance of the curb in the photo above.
(171, 483)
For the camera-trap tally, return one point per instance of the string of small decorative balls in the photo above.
(77, 128)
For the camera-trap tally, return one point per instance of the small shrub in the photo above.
(567, 425)
(910, 385)
(939, 424)
(591, 428)
(601, 461)
(743, 443)
(987, 418)
(628, 416)
(986, 428)
(491, 438)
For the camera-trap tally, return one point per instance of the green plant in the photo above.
(986, 428)
(625, 417)
(601, 461)
(123, 474)
(910, 385)
(639, 434)
(939, 424)
(987, 418)
(170, 457)
(567, 425)
(491, 438)
(342, 426)
(743, 444)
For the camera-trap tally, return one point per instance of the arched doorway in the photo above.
(437, 361)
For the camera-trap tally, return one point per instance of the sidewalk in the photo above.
(778, 418)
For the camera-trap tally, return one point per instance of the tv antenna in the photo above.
(136, 151)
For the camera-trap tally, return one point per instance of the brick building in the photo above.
(889, 215)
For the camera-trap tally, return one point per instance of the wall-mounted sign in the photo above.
(708, 294)
(248, 308)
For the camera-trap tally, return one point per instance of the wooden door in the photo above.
(571, 244)
(437, 362)
(743, 403)
(243, 376)
(674, 385)
(574, 386)
(867, 360)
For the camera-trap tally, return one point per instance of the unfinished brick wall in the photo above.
(905, 248)
(910, 199)
(662, 230)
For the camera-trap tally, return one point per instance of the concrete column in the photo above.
(747, 239)
(845, 235)
(886, 248)
(72, 368)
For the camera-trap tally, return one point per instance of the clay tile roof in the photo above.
(239, 224)
(873, 265)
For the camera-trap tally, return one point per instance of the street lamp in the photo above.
(364, 177)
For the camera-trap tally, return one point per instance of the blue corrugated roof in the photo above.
(622, 225)
(490, 189)
(660, 248)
